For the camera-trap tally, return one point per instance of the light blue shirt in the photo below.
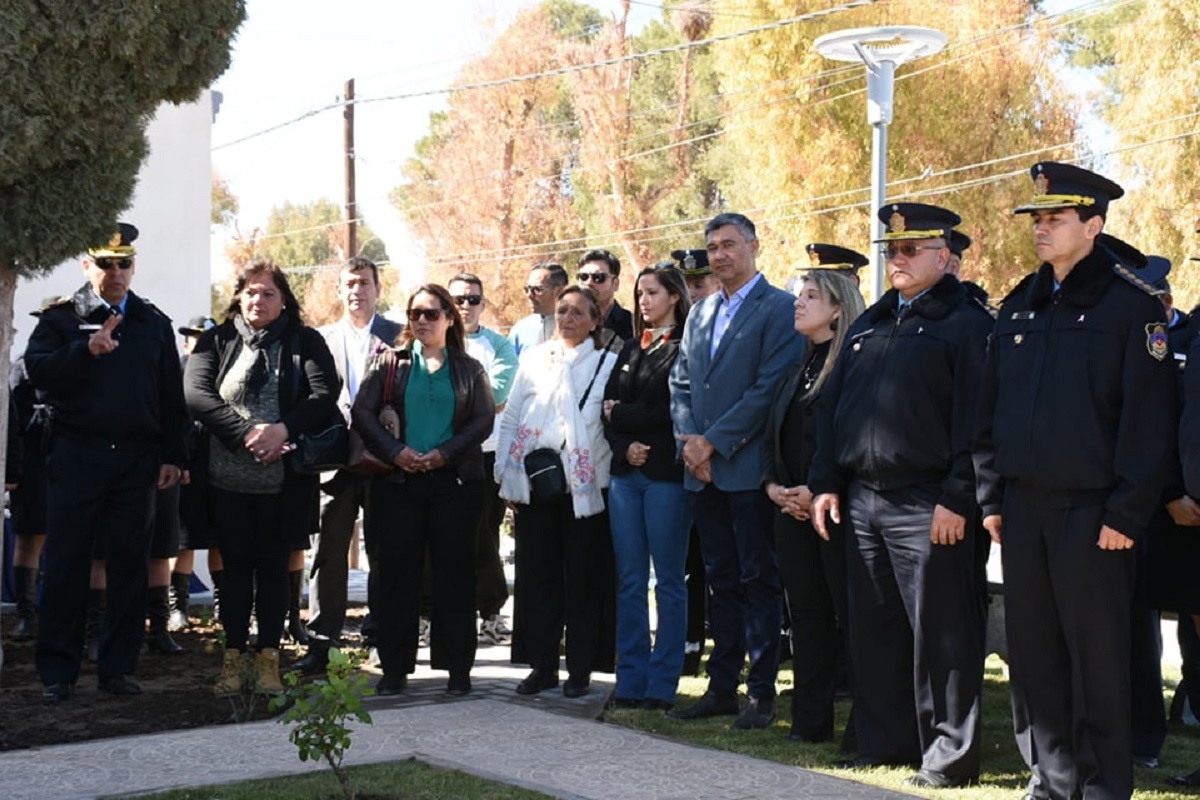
(903, 304)
(727, 309)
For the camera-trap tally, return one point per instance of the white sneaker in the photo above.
(423, 632)
(493, 630)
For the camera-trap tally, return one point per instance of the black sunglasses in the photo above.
(430, 314)
(594, 277)
(468, 299)
(109, 263)
(907, 249)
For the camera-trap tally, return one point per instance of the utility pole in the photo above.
(348, 143)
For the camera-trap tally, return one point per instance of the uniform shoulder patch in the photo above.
(1158, 344)
(1132, 277)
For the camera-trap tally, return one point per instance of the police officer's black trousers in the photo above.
(1146, 691)
(1067, 621)
(914, 631)
(95, 492)
(813, 572)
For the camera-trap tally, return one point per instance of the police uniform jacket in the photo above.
(898, 408)
(1079, 393)
(131, 398)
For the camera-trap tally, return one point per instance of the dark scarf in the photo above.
(260, 342)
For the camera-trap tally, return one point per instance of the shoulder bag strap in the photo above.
(599, 364)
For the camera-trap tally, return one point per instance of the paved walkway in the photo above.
(530, 743)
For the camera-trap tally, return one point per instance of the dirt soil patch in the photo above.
(176, 694)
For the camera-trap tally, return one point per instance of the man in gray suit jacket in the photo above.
(737, 346)
(354, 341)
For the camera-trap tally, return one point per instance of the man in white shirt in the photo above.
(354, 340)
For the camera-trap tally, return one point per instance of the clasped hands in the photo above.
(697, 455)
(795, 501)
(410, 460)
(267, 442)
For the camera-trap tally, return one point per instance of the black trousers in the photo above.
(255, 549)
(566, 574)
(491, 587)
(342, 497)
(914, 612)
(1149, 717)
(813, 572)
(1068, 623)
(697, 590)
(95, 496)
(430, 511)
(746, 605)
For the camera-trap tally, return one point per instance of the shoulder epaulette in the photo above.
(1132, 277)
(983, 305)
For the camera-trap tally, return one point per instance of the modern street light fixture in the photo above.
(881, 50)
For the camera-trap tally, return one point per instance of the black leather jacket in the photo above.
(474, 413)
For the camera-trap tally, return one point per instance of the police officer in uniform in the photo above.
(1077, 412)
(839, 259)
(697, 274)
(894, 429)
(106, 359)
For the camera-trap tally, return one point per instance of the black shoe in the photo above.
(576, 687)
(391, 685)
(24, 630)
(710, 704)
(858, 762)
(655, 704)
(58, 692)
(1191, 779)
(314, 662)
(932, 779)
(119, 685)
(624, 703)
(538, 681)
(158, 611)
(160, 641)
(757, 714)
(458, 685)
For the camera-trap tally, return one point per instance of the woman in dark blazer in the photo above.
(431, 501)
(813, 570)
(242, 384)
(649, 509)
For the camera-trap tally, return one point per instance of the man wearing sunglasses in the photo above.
(499, 359)
(106, 359)
(600, 271)
(1076, 425)
(546, 281)
(893, 458)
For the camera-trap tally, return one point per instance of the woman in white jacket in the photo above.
(564, 558)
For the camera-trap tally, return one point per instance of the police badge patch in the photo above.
(1157, 343)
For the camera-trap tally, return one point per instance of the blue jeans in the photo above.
(650, 520)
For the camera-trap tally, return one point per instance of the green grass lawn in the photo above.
(1003, 774)
(409, 779)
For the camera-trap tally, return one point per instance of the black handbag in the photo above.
(324, 450)
(544, 466)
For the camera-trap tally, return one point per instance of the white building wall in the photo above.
(172, 210)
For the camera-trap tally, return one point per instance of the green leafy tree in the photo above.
(79, 85)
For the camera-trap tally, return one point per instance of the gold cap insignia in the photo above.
(115, 241)
(897, 223)
(1042, 183)
(814, 257)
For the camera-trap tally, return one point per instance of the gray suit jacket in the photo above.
(384, 332)
(727, 396)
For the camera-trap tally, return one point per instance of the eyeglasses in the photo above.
(468, 299)
(535, 289)
(109, 263)
(594, 277)
(906, 249)
(430, 314)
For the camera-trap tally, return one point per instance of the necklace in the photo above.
(812, 367)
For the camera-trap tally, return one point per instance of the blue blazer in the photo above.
(727, 396)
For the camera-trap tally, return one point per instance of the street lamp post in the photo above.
(881, 50)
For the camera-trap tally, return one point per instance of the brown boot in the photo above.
(230, 680)
(266, 668)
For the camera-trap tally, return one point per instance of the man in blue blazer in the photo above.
(737, 346)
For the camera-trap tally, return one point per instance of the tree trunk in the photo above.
(8, 290)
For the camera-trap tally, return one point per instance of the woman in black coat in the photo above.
(256, 382)
(813, 569)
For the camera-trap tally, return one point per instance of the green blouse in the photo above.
(428, 404)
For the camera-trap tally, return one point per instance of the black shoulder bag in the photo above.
(544, 466)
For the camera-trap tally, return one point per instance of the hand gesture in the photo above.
(102, 342)
(637, 453)
(431, 461)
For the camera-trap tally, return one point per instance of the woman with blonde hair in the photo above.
(812, 569)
